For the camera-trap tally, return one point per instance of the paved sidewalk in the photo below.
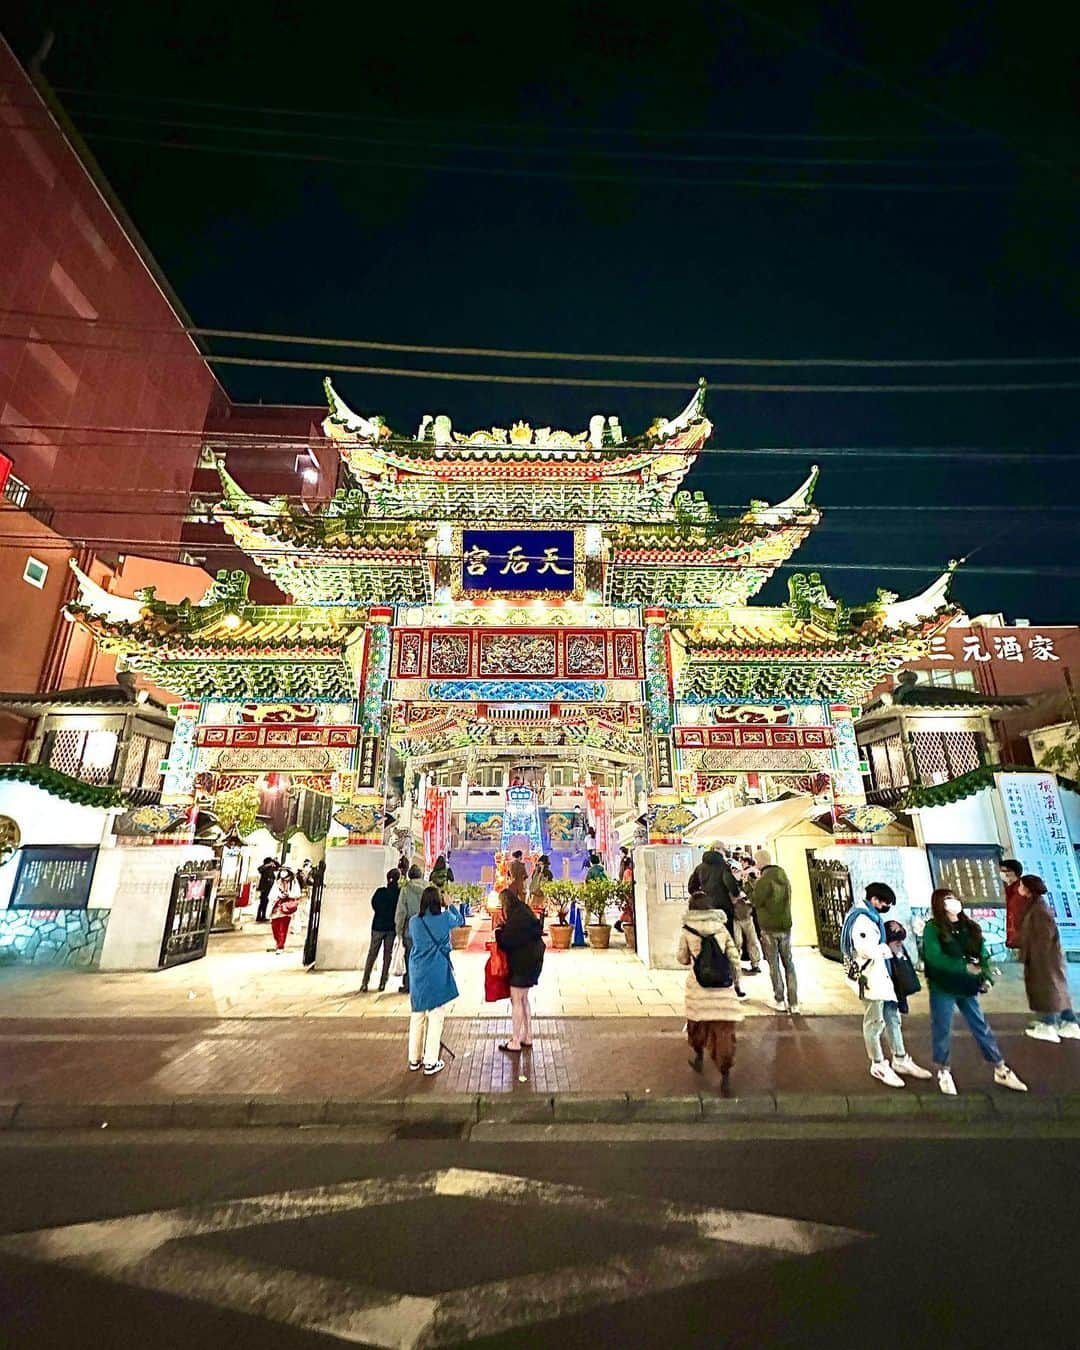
(239, 978)
(304, 1059)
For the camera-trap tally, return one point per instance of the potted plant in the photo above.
(624, 897)
(559, 895)
(466, 894)
(596, 899)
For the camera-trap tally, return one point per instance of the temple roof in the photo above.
(341, 553)
(441, 467)
(222, 646)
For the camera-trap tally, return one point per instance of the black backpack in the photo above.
(712, 969)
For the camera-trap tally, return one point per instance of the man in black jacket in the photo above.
(714, 878)
(384, 907)
(267, 873)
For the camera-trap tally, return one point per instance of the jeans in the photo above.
(778, 950)
(744, 928)
(882, 1015)
(407, 944)
(385, 940)
(942, 1007)
(425, 1035)
(1057, 1019)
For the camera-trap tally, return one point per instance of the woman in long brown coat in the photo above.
(1044, 967)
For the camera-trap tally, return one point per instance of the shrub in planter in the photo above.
(596, 899)
(559, 895)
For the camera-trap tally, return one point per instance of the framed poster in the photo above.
(53, 877)
(971, 870)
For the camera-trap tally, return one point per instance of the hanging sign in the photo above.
(517, 560)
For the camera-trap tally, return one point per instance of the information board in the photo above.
(53, 877)
(1040, 841)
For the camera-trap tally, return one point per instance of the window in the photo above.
(946, 679)
(85, 755)
(35, 572)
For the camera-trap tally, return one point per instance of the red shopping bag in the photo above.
(496, 975)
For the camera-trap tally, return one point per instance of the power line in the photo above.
(512, 148)
(864, 565)
(505, 353)
(561, 381)
(546, 128)
(491, 171)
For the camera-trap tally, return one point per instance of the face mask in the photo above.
(953, 907)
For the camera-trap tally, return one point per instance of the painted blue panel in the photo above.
(517, 691)
(517, 560)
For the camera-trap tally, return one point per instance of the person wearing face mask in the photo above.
(957, 968)
(864, 944)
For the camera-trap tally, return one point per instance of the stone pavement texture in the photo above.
(145, 1060)
(240, 978)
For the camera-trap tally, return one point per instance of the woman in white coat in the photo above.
(711, 1013)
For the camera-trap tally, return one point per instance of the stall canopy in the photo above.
(753, 824)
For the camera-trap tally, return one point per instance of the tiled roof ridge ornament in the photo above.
(928, 604)
(604, 431)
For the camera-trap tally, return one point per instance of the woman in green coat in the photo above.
(957, 968)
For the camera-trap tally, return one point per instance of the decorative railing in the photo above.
(19, 494)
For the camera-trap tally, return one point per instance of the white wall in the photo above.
(45, 819)
(968, 821)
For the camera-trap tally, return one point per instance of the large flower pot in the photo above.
(600, 935)
(560, 934)
(459, 937)
(630, 934)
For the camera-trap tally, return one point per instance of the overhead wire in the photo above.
(507, 353)
(560, 381)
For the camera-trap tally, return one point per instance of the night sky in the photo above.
(625, 207)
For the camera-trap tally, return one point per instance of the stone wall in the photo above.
(54, 937)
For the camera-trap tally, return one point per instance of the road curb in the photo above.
(463, 1109)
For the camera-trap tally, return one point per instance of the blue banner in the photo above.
(517, 560)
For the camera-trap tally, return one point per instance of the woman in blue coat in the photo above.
(432, 987)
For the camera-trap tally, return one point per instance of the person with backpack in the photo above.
(772, 900)
(864, 945)
(957, 967)
(712, 985)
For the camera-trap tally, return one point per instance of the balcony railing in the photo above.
(19, 494)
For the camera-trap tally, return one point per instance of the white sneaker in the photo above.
(907, 1066)
(437, 1067)
(414, 1066)
(1004, 1077)
(945, 1082)
(780, 1007)
(883, 1072)
(794, 1010)
(1043, 1031)
(1069, 1031)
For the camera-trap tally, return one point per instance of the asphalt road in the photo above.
(362, 1240)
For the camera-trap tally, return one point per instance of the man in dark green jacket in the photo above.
(772, 900)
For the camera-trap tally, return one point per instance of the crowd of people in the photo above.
(739, 913)
(735, 900)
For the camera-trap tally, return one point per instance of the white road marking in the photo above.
(694, 1243)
